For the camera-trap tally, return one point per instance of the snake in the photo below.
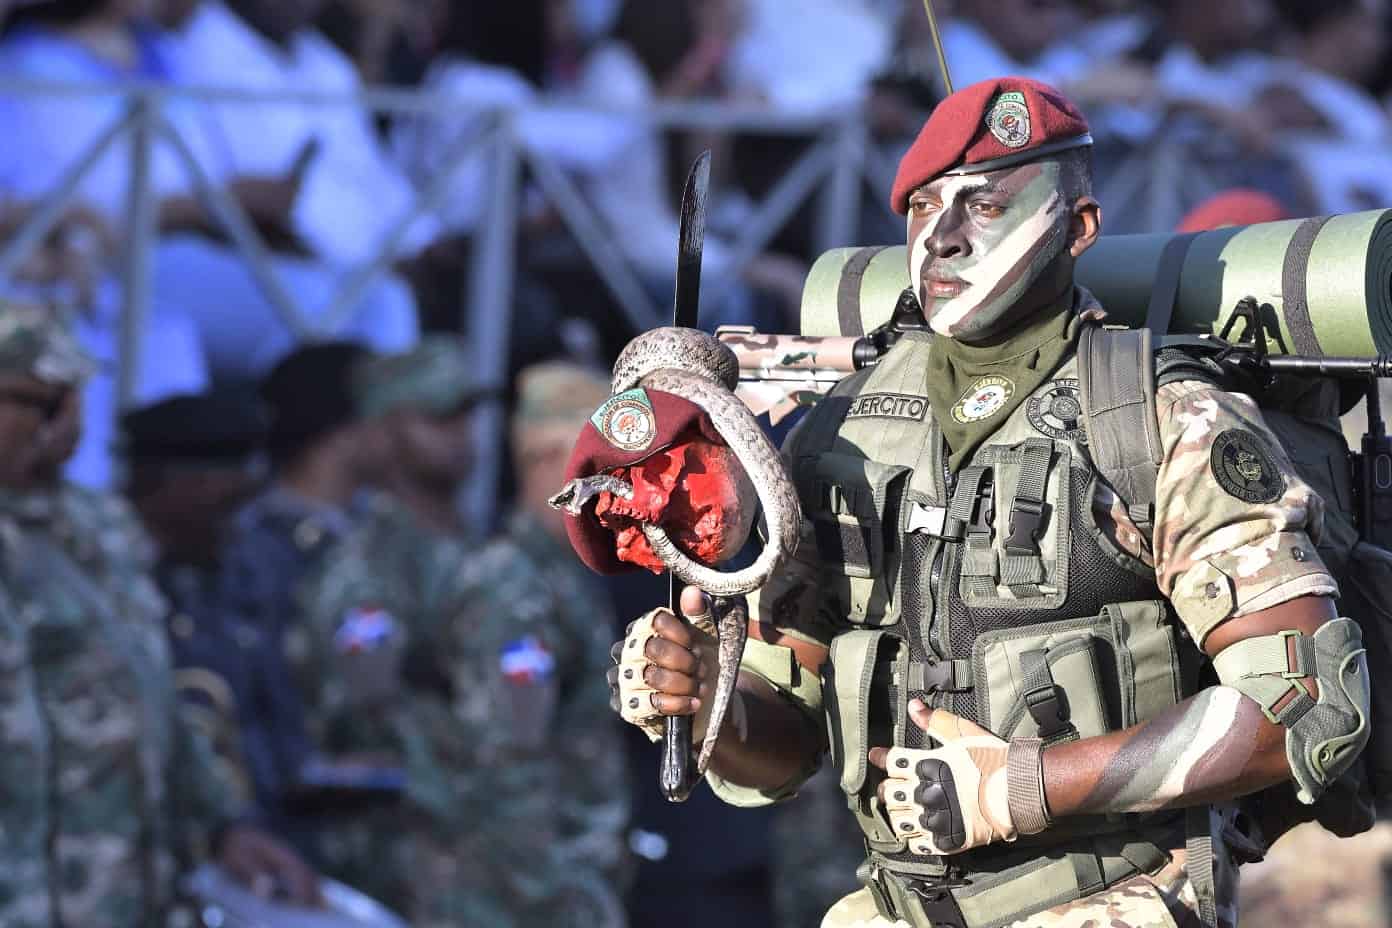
(701, 369)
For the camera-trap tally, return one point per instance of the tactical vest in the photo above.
(996, 594)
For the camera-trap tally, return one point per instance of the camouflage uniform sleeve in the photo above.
(25, 786)
(1235, 525)
(205, 790)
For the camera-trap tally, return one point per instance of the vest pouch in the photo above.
(854, 506)
(1149, 673)
(1079, 677)
(1060, 692)
(854, 684)
(1022, 563)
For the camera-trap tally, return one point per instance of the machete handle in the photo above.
(675, 776)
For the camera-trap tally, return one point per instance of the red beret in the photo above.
(1237, 207)
(987, 126)
(630, 427)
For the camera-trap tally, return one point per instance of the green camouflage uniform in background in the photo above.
(109, 791)
(24, 812)
(480, 672)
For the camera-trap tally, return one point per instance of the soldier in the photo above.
(1009, 649)
(120, 791)
(476, 669)
(193, 461)
(323, 457)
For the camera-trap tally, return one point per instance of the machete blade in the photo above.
(675, 775)
(691, 240)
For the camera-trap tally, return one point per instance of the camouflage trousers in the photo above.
(1162, 900)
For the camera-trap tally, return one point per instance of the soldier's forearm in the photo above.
(1214, 745)
(774, 744)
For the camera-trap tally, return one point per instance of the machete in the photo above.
(675, 776)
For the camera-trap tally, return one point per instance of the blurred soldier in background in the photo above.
(125, 792)
(471, 668)
(554, 399)
(323, 458)
(193, 460)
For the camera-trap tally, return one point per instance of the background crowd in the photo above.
(380, 685)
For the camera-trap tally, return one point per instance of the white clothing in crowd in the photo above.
(352, 192)
(783, 58)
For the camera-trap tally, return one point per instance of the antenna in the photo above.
(938, 46)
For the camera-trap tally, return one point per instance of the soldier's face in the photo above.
(439, 448)
(980, 243)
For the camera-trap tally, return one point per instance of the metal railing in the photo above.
(838, 164)
(832, 170)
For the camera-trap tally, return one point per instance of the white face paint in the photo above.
(1009, 225)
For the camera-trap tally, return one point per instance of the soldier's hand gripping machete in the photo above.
(675, 775)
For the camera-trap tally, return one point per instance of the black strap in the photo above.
(848, 318)
(1165, 290)
(1041, 695)
(1294, 287)
(1027, 506)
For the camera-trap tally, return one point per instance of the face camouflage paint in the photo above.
(977, 243)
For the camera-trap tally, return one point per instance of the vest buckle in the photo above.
(1048, 710)
(1026, 519)
(938, 903)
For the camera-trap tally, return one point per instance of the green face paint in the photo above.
(978, 242)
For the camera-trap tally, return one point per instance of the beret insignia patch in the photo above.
(1244, 466)
(626, 420)
(1009, 120)
(1058, 412)
(983, 399)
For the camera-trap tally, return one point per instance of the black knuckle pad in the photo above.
(942, 813)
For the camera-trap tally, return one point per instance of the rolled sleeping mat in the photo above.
(1328, 278)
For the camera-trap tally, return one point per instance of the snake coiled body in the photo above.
(697, 367)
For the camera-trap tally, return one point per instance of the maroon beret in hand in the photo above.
(989, 125)
(630, 428)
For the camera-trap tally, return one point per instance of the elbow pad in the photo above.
(1324, 736)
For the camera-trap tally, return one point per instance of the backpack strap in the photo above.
(1116, 379)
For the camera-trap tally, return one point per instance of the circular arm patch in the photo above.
(1244, 466)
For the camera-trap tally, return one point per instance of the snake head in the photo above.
(576, 493)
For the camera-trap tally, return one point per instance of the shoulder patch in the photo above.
(1244, 466)
(526, 660)
(1058, 411)
(626, 420)
(364, 628)
(984, 399)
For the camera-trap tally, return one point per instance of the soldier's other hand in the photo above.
(665, 666)
(268, 867)
(951, 798)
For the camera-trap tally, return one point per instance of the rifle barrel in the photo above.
(1331, 367)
